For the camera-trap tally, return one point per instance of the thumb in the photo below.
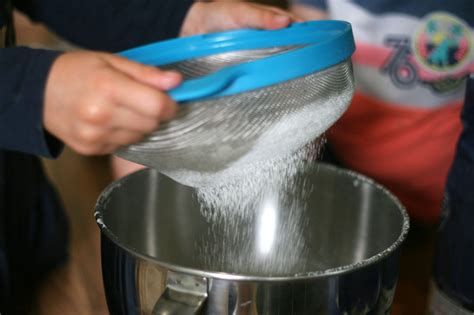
(260, 16)
(162, 80)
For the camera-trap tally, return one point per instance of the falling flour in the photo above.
(256, 219)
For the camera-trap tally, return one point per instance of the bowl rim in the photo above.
(308, 275)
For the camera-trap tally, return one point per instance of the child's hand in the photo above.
(218, 16)
(306, 13)
(97, 102)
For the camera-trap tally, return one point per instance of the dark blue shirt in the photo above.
(454, 258)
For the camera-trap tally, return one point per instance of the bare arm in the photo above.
(306, 12)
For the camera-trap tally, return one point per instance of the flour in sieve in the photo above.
(285, 136)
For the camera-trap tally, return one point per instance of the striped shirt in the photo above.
(410, 66)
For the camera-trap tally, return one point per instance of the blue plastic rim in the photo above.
(323, 44)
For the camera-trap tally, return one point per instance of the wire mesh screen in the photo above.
(218, 135)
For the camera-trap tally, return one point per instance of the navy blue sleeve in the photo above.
(23, 75)
(454, 256)
(320, 4)
(109, 25)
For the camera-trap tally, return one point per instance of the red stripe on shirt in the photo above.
(409, 150)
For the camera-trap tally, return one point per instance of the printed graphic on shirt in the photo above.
(411, 53)
(399, 67)
(442, 44)
(438, 55)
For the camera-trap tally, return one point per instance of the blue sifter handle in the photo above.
(321, 44)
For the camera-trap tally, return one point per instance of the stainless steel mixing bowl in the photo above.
(161, 256)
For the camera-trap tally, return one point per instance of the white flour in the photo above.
(257, 218)
(294, 127)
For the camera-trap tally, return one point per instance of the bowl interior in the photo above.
(344, 220)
